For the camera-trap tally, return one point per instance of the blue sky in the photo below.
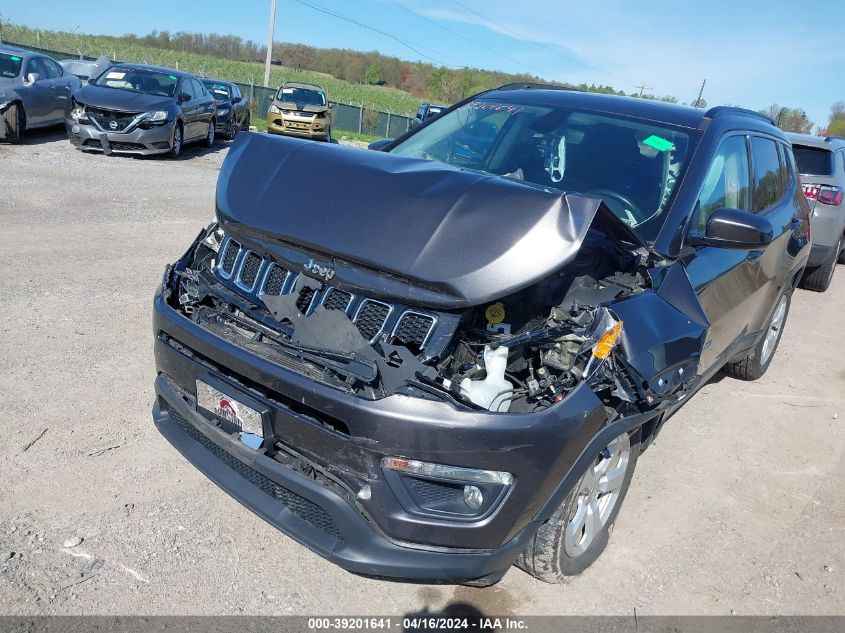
(752, 52)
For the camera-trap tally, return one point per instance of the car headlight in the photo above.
(275, 110)
(78, 113)
(222, 111)
(157, 116)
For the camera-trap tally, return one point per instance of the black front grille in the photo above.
(371, 318)
(105, 118)
(413, 329)
(275, 280)
(306, 510)
(127, 147)
(230, 255)
(435, 492)
(249, 269)
(304, 300)
(337, 300)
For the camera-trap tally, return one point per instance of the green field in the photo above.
(372, 97)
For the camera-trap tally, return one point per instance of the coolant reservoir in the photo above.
(494, 391)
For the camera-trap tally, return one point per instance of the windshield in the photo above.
(149, 82)
(632, 164)
(813, 161)
(10, 65)
(302, 96)
(218, 90)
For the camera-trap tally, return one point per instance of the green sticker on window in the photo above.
(658, 143)
(173, 77)
(15, 58)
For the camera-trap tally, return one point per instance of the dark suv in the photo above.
(454, 365)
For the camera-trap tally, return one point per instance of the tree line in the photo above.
(423, 80)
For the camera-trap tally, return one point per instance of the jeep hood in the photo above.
(468, 236)
(121, 100)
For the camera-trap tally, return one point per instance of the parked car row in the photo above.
(444, 357)
(116, 107)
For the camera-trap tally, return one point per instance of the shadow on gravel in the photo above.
(44, 135)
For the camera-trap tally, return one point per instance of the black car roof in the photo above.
(673, 114)
(159, 69)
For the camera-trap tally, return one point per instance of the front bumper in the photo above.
(139, 141)
(307, 511)
(293, 126)
(376, 535)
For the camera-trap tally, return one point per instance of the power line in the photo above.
(463, 37)
(514, 35)
(375, 30)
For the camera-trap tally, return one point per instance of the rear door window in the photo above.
(814, 161)
(727, 184)
(768, 185)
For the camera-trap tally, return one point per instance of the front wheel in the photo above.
(14, 117)
(760, 357)
(579, 530)
(176, 143)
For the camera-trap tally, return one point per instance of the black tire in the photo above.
(178, 141)
(15, 123)
(755, 364)
(841, 258)
(245, 127)
(210, 136)
(818, 279)
(546, 556)
(233, 129)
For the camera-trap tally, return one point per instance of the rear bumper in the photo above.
(827, 225)
(139, 141)
(308, 512)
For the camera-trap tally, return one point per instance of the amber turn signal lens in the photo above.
(607, 342)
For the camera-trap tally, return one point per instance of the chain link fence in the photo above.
(346, 117)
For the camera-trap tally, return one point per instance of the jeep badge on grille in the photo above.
(320, 271)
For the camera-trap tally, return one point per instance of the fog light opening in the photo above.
(473, 497)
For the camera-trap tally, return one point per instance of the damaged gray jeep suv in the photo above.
(439, 359)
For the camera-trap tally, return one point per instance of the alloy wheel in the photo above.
(774, 331)
(597, 493)
(177, 140)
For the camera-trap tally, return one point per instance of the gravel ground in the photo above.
(738, 508)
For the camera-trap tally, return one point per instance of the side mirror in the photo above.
(237, 99)
(184, 97)
(380, 144)
(734, 228)
(31, 78)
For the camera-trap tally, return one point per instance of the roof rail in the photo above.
(528, 85)
(719, 110)
(834, 138)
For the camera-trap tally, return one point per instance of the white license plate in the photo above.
(230, 409)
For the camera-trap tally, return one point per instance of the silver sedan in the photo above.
(35, 91)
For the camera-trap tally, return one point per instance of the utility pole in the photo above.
(700, 93)
(271, 31)
(642, 88)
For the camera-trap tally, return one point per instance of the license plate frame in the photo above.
(248, 419)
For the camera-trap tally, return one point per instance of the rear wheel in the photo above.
(176, 142)
(819, 279)
(760, 357)
(579, 530)
(15, 123)
(208, 141)
(841, 259)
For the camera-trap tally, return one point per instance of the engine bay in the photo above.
(518, 354)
